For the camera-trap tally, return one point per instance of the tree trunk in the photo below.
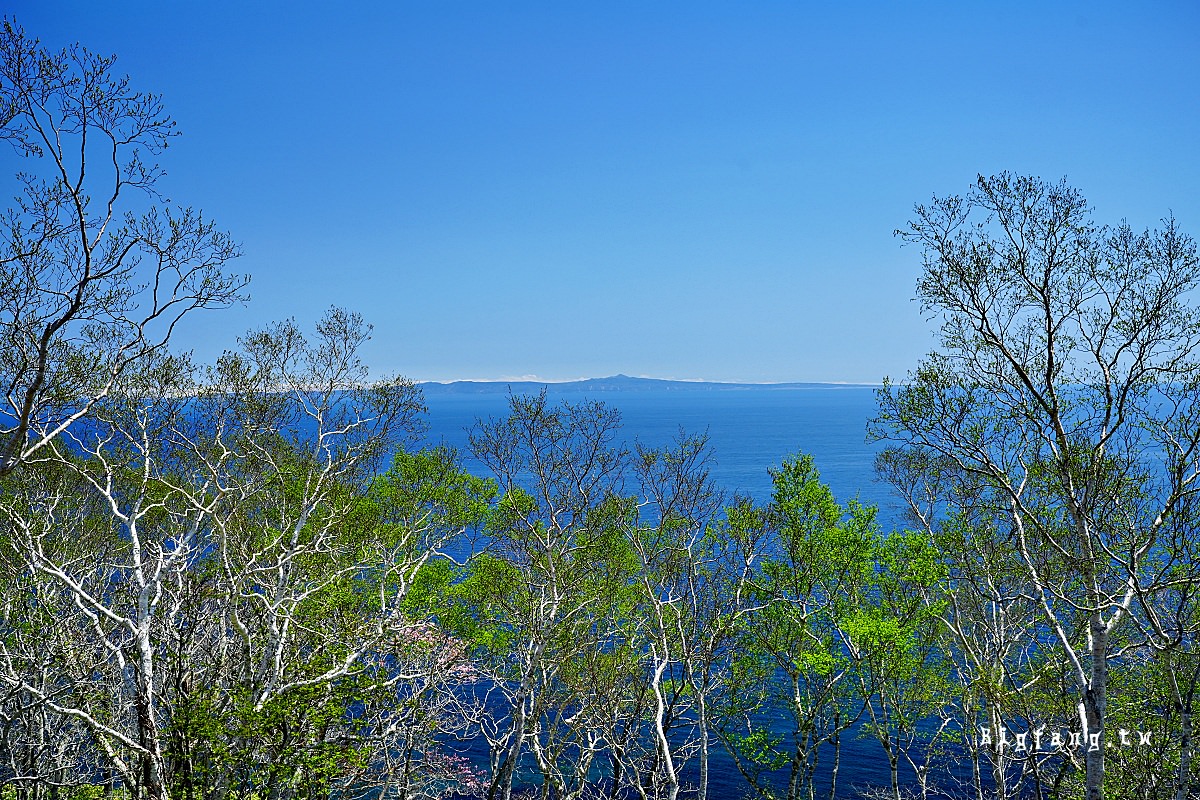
(977, 771)
(1092, 710)
(703, 721)
(660, 731)
(151, 762)
(837, 755)
(501, 788)
(793, 790)
(615, 758)
(1184, 779)
(999, 774)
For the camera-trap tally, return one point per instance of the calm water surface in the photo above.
(750, 430)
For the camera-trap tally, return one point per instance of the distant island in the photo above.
(614, 383)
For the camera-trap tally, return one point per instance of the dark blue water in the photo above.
(750, 431)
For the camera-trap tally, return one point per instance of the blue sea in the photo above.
(751, 430)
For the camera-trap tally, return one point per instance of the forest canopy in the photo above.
(244, 579)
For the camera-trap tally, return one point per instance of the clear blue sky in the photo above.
(686, 190)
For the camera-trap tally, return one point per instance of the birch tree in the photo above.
(555, 564)
(686, 612)
(815, 568)
(1065, 389)
(1001, 657)
(97, 269)
(221, 590)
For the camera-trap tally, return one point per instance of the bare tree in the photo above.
(688, 609)
(1001, 656)
(554, 563)
(211, 549)
(1066, 391)
(96, 267)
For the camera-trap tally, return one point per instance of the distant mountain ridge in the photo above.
(615, 383)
